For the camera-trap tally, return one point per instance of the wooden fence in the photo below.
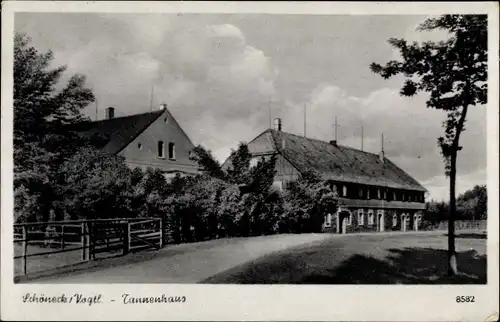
(52, 244)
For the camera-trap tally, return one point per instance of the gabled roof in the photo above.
(113, 135)
(336, 162)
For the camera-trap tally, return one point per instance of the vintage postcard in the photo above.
(249, 161)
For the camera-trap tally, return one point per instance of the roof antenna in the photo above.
(304, 120)
(361, 137)
(151, 99)
(270, 115)
(96, 110)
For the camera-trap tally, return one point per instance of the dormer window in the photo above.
(171, 151)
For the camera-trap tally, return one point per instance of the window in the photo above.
(165, 119)
(394, 220)
(394, 197)
(349, 221)
(409, 197)
(361, 192)
(378, 193)
(139, 146)
(370, 218)
(344, 191)
(171, 151)
(368, 193)
(361, 217)
(385, 195)
(161, 149)
(328, 220)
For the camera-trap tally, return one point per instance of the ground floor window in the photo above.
(370, 218)
(394, 220)
(349, 219)
(361, 218)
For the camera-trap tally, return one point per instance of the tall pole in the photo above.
(96, 110)
(270, 115)
(151, 99)
(361, 137)
(336, 125)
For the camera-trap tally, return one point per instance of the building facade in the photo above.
(148, 140)
(374, 193)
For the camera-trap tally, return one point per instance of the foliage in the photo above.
(471, 205)
(41, 112)
(207, 162)
(454, 74)
(93, 184)
(306, 203)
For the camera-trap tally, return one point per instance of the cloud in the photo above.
(220, 75)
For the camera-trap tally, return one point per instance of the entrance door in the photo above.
(344, 225)
(403, 222)
(381, 223)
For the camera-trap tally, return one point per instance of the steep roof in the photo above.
(113, 135)
(338, 162)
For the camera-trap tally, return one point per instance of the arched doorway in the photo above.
(403, 221)
(416, 221)
(380, 221)
(343, 220)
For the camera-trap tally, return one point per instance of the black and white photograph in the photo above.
(251, 148)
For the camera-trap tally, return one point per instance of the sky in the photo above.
(223, 76)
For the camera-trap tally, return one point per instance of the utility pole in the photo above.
(151, 99)
(304, 120)
(361, 137)
(270, 114)
(336, 125)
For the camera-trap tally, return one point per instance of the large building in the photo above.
(147, 140)
(374, 193)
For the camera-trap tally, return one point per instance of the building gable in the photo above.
(162, 144)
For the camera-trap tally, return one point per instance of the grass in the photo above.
(366, 259)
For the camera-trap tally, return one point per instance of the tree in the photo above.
(207, 162)
(93, 184)
(454, 73)
(41, 113)
(306, 203)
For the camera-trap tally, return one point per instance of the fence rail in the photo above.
(78, 241)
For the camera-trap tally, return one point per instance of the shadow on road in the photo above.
(402, 266)
(407, 266)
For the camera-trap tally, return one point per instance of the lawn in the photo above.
(367, 259)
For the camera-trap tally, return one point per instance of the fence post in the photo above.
(62, 236)
(126, 238)
(161, 232)
(83, 239)
(25, 249)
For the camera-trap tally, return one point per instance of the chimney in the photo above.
(110, 113)
(163, 107)
(277, 124)
(333, 142)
